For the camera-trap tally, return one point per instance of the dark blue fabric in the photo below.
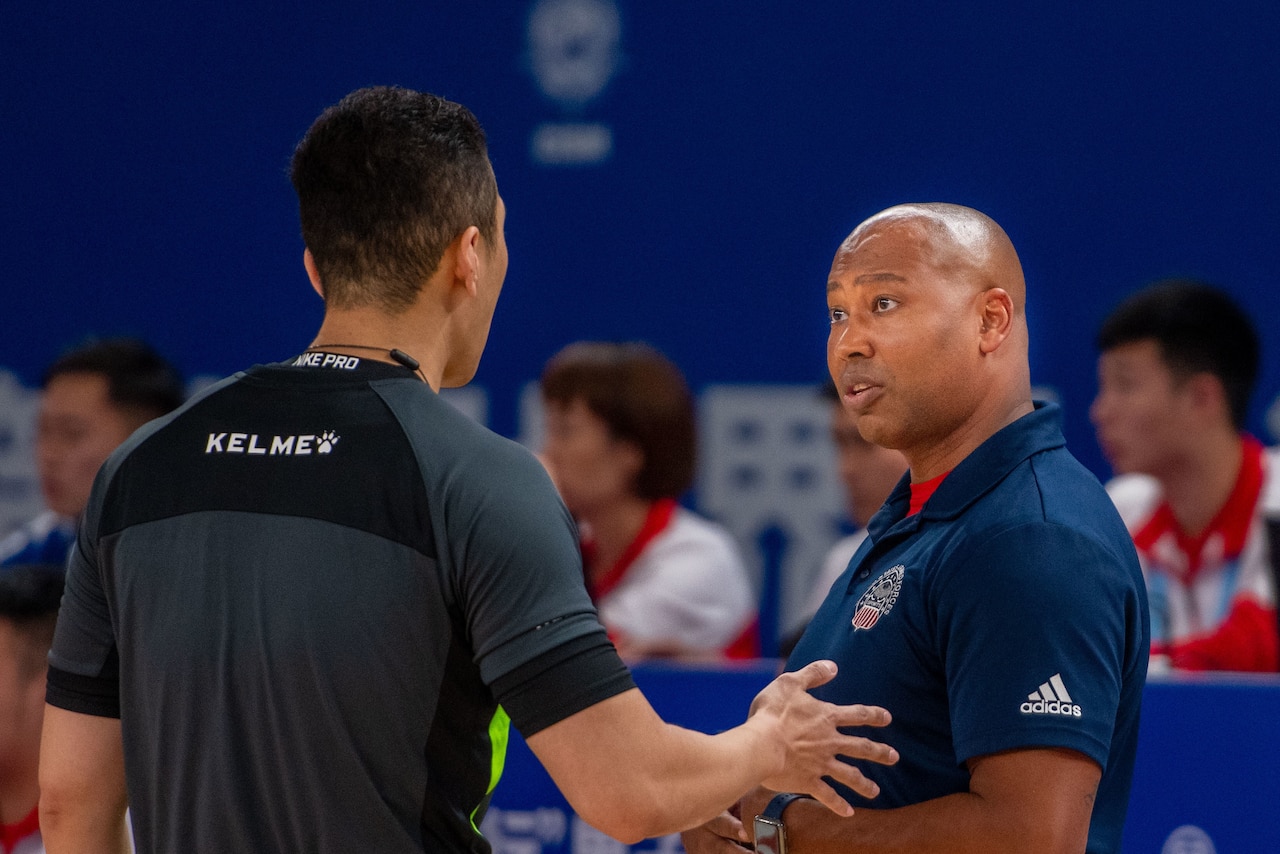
(1009, 613)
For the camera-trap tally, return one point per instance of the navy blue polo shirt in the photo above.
(1009, 613)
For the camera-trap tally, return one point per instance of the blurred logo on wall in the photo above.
(1188, 839)
(574, 52)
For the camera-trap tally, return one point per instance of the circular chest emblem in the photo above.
(879, 598)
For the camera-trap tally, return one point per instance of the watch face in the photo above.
(771, 836)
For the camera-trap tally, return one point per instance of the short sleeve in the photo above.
(517, 568)
(84, 641)
(1032, 630)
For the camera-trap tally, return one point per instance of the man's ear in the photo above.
(312, 273)
(996, 320)
(466, 260)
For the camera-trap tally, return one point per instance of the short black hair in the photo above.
(138, 377)
(1199, 328)
(30, 595)
(386, 179)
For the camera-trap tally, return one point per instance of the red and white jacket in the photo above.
(1212, 597)
(681, 581)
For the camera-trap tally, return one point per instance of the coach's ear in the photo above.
(996, 318)
(312, 273)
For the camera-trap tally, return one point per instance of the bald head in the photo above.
(967, 244)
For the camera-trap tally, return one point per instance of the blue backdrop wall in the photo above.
(679, 173)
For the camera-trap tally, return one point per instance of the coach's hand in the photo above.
(722, 835)
(806, 735)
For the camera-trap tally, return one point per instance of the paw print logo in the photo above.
(327, 440)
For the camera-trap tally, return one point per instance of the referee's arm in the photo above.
(82, 787)
(628, 773)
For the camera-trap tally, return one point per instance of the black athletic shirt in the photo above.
(313, 595)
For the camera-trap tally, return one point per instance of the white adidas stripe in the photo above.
(1052, 690)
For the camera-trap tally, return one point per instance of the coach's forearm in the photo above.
(955, 824)
(1025, 800)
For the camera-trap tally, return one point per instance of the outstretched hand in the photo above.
(810, 742)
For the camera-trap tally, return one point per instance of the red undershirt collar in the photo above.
(12, 834)
(922, 492)
(655, 522)
(1231, 522)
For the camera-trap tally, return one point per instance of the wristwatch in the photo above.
(771, 833)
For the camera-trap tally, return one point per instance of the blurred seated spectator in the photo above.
(621, 446)
(29, 599)
(868, 474)
(91, 399)
(1177, 366)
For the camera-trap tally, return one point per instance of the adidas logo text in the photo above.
(1051, 699)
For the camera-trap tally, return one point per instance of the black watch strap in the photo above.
(780, 802)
